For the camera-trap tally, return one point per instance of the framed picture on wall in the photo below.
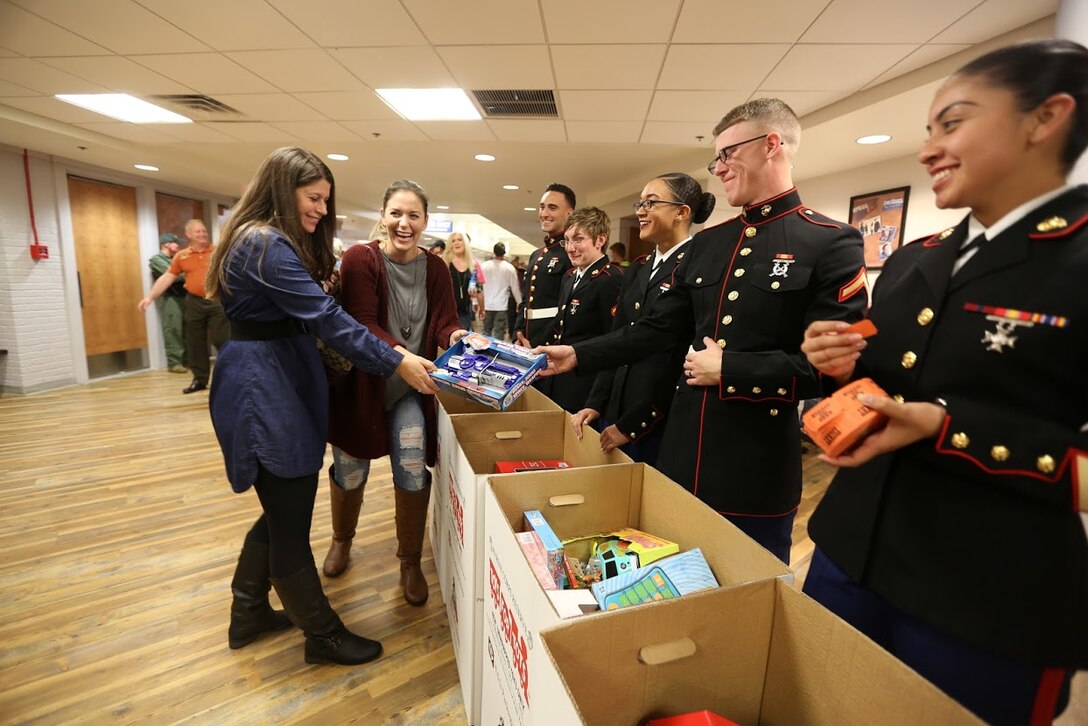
(880, 217)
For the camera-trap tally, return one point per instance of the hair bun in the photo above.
(700, 215)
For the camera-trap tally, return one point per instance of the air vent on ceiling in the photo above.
(198, 103)
(516, 104)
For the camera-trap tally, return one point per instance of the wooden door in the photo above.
(109, 265)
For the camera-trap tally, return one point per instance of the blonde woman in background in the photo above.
(459, 257)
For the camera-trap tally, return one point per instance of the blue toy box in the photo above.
(489, 371)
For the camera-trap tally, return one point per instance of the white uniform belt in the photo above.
(538, 313)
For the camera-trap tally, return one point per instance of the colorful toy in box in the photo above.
(838, 423)
(513, 467)
(619, 551)
(665, 579)
(553, 548)
(534, 552)
(614, 559)
(489, 371)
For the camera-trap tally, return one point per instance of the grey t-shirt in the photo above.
(407, 314)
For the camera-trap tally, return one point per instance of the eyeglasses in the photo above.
(727, 152)
(648, 204)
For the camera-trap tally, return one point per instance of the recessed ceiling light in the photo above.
(529, 209)
(123, 107)
(146, 167)
(874, 139)
(441, 206)
(510, 187)
(484, 157)
(430, 104)
(337, 157)
(341, 216)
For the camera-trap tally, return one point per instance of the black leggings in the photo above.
(288, 506)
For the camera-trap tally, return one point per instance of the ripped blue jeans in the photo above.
(407, 449)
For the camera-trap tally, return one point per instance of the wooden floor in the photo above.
(120, 533)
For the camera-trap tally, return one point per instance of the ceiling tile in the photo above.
(7, 53)
(348, 105)
(12, 89)
(139, 133)
(141, 32)
(689, 67)
(298, 70)
(922, 57)
(604, 132)
(475, 23)
(627, 21)
(39, 77)
(233, 25)
(528, 130)
(834, 67)
(499, 66)
(208, 73)
(712, 21)
(271, 107)
(251, 131)
(802, 102)
(993, 18)
(54, 109)
(313, 17)
(197, 133)
(30, 35)
(612, 66)
(679, 133)
(603, 105)
(396, 130)
(694, 105)
(119, 74)
(316, 132)
(381, 68)
(853, 21)
(456, 130)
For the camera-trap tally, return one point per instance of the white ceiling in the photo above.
(639, 85)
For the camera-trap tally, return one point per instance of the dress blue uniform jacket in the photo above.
(977, 532)
(269, 398)
(540, 290)
(752, 284)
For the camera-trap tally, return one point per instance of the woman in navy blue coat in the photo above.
(269, 400)
(955, 536)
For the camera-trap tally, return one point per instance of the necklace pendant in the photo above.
(406, 332)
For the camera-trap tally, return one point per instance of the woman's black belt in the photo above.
(265, 329)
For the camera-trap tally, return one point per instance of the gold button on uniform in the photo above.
(757, 390)
(745, 251)
(733, 295)
(750, 232)
(530, 298)
(781, 391)
(1045, 464)
(738, 272)
(721, 343)
(532, 288)
(775, 285)
(999, 453)
(727, 320)
(909, 359)
(643, 424)
(730, 389)
(774, 411)
(960, 440)
(698, 280)
(925, 316)
(533, 278)
(638, 305)
(765, 209)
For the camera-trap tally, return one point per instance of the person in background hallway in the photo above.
(404, 297)
(746, 290)
(463, 268)
(617, 255)
(269, 398)
(502, 284)
(437, 248)
(512, 305)
(169, 304)
(204, 318)
(632, 401)
(546, 269)
(587, 301)
(955, 536)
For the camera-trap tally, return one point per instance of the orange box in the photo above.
(865, 328)
(839, 423)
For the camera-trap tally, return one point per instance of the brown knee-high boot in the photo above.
(346, 504)
(411, 521)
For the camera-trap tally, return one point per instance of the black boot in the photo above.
(327, 640)
(250, 613)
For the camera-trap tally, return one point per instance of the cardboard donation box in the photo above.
(520, 682)
(758, 653)
(450, 404)
(469, 452)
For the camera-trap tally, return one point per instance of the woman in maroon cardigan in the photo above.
(404, 296)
